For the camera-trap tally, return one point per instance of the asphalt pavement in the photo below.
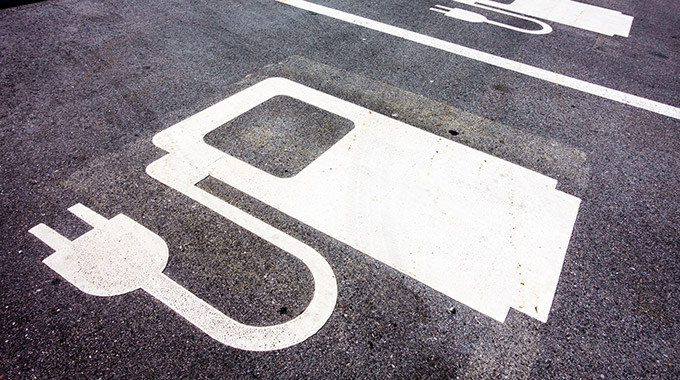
(86, 85)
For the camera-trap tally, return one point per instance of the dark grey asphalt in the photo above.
(86, 84)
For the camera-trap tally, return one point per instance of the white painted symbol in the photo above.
(119, 255)
(584, 16)
(465, 15)
(481, 230)
(494, 60)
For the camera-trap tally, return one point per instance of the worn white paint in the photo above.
(535, 72)
(481, 230)
(119, 255)
(579, 15)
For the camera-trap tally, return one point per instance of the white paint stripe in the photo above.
(535, 72)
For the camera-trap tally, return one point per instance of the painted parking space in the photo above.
(325, 208)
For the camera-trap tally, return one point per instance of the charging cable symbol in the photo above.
(469, 16)
(119, 255)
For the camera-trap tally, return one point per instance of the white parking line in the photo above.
(494, 60)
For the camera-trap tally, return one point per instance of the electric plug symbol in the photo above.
(116, 257)
(120, 255)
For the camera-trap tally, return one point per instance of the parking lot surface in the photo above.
(340, 189)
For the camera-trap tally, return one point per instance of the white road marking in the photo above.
(481, 230)
(119, 255)
(584, 16)
(465, 15)
(535, 72)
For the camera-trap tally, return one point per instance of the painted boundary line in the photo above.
(535, 72)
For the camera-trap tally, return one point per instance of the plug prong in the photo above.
(441, 9)
(50, 237)
(88, 216)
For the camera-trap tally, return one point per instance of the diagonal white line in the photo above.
(552, 77)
